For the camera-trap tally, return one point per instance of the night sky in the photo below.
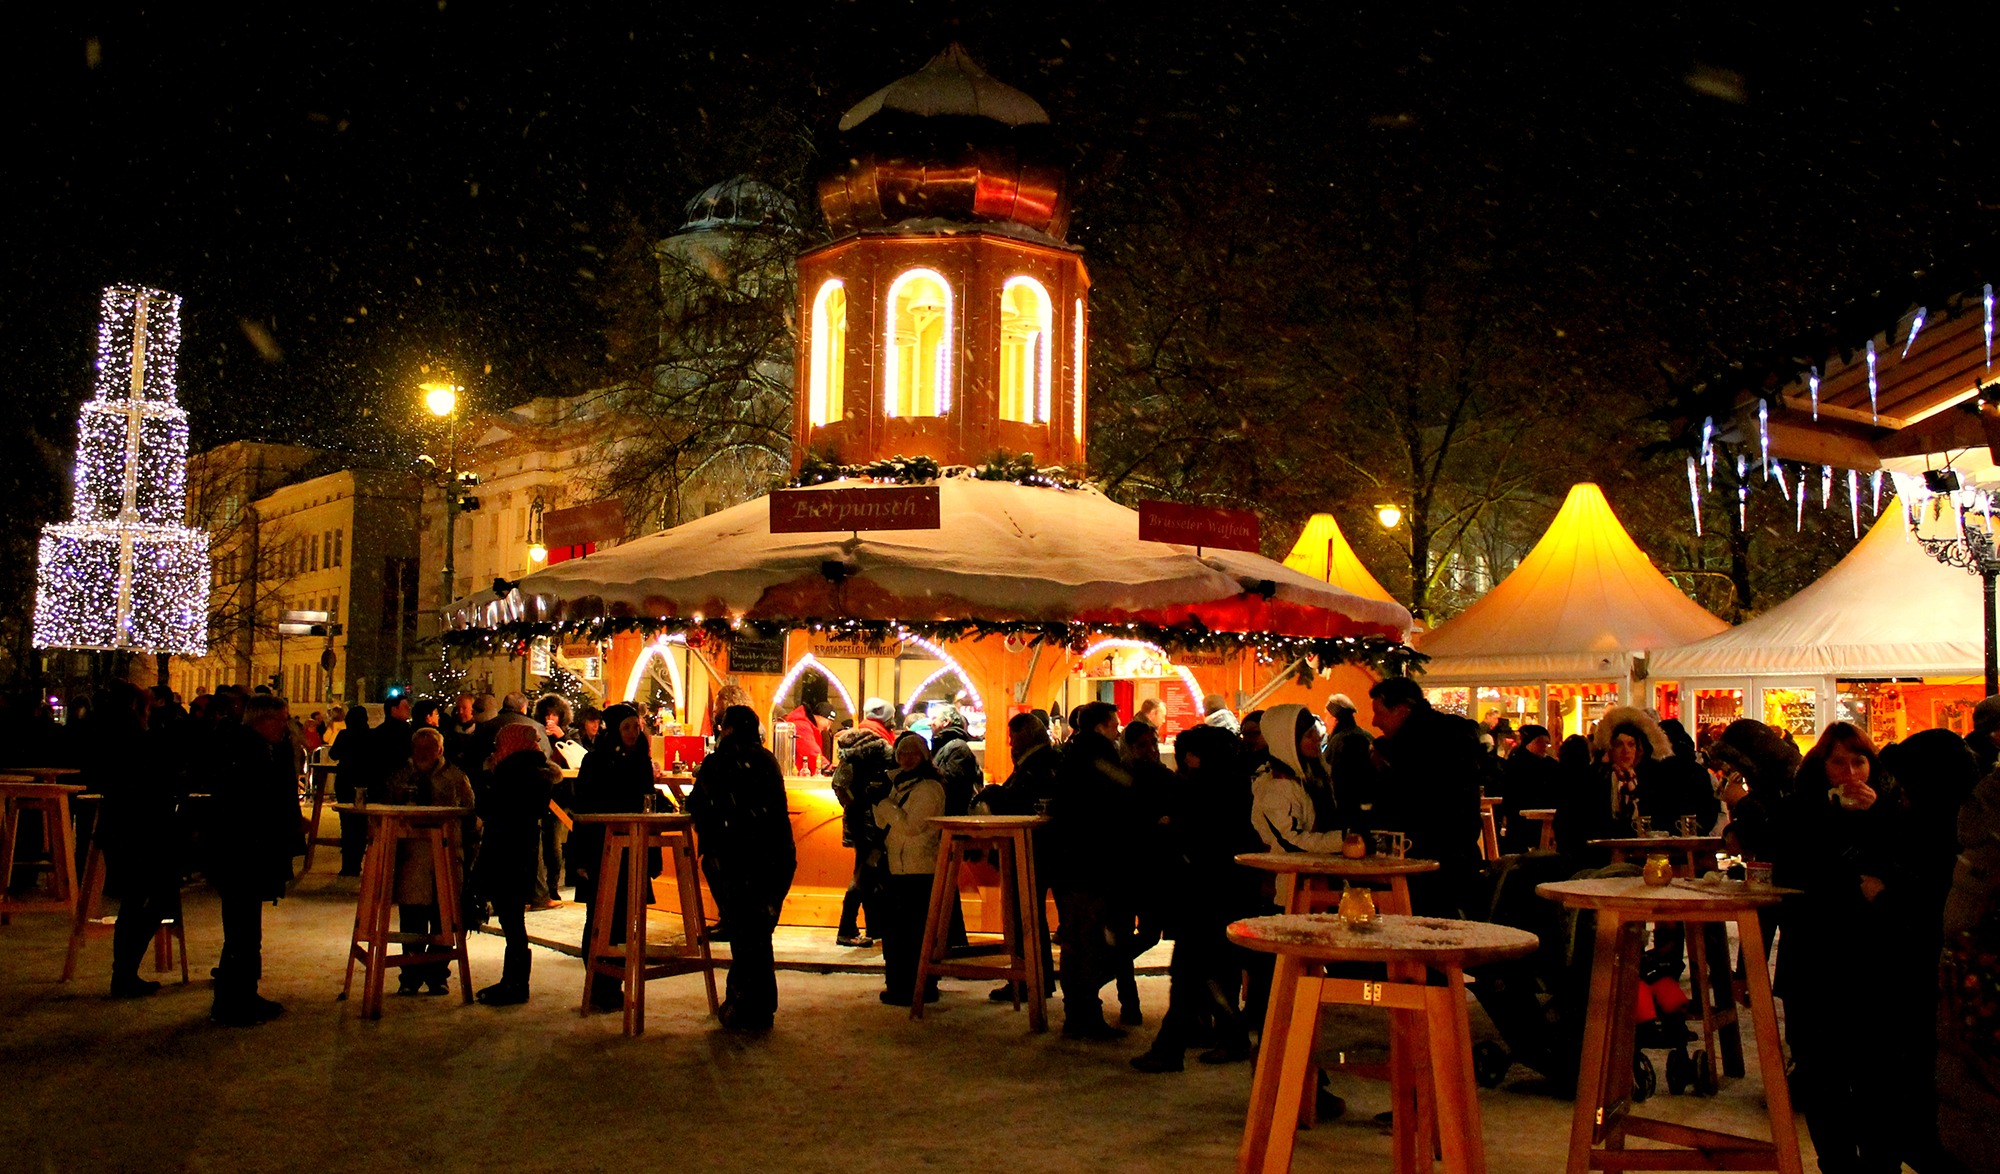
(342, 198)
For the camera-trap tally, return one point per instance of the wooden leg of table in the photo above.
(1704, 994)
(86, 908)
(1292, 893)
(1449, 1033)
(381, 888)
(1722, 996)
(1489, 834)
(1009, 892)
(937, 922)
(61, 839)
(10, 835)
(603, 902)
(1034, 930)
(1295, 1076)
(1398, 900)
(451, 913)
(1590, 1077)
(1770, 1053)
(694, 920)
(1623, 1044)
(359, 946)
(635, 935)
(1411, 1098)
(1285, 975)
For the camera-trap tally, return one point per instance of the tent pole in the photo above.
(1987, 568)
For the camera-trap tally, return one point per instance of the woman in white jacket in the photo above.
(916, 795)
(1283, 808)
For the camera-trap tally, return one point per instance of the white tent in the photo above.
(1575, 616)
(1887, 610)
(1323, 552)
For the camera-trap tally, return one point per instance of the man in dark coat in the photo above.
(256, 833)
(747, 854)
(350, 754)
(1090, 842)
(1429, 766)
(859, 781)
(133, 767)
(953, 757)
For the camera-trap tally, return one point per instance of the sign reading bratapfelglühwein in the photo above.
(890, 507)
(1193, 525)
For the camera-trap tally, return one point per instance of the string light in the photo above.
(1873, 387)
(1694, 492)
(1989, 325)
(1764, 434)
(1875, 494)
(1916, 327)
(126, 572)
(1812, 384)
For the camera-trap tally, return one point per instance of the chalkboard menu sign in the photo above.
(757, 654)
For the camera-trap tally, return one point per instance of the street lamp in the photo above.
(442, 400)
(1389, 515)
(538, 551)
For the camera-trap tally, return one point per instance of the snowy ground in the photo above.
(842, 1084)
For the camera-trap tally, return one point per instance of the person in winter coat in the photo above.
(1984, 740)
(510, 812)
(121, 761)
(1348, 762)
(1207, 824)
(859, 781)
(876, 714)
(1530, 780)
(427, 780)
(807, 748)
(1091, 849)
(1428, 770)
(1757, 769)
(745, 832)
(617, 776)
(1635, 774)
(1284, 809)
(957, 765)
(1846, 937)
(910, 843)
(1968, 1029)
(350, 752)
(1028, 790)
(256, 832)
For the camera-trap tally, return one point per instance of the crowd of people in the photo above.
(1895, 852)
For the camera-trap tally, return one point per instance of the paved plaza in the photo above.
(842, 1084)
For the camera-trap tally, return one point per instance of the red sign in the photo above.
(1193, 525)
(904, 507)
(597, 521)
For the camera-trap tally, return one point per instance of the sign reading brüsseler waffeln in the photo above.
(1193, 525)
(889, 507)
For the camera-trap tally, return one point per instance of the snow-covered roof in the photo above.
(1583, 599)
(952, 84)
(1005, 552)
(1888, 609)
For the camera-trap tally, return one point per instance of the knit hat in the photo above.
(877, 708)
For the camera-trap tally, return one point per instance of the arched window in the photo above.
(1076, 372)
(826, 382)
(916, 375)
(1027, 321)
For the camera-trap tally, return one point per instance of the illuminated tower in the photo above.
(126, 572)
(948, 318)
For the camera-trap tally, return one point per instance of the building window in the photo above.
(333, 609)
(312, 553)
(1027, 319)
(336, 546)
(1076, 373)
(827, 378)
(916, 378)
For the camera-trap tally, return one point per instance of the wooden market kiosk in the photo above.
(943, 325)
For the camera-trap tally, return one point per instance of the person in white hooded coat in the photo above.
(1293, 805)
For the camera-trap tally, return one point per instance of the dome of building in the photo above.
(741, 202)
(947, 146)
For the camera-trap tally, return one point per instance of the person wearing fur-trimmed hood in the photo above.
(1634, 774)
(1283, 809)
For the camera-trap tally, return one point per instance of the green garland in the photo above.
(1387, 656)
(820, 468)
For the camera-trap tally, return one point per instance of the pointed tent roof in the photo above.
(1322, 551)
(1583, 600)
(1887, 609)
(952, 84)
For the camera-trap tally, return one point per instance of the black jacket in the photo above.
(612, 779)
(744, 828)
(255, 830)
(958, 768)
(861, 778)
(1429, 791)
(1093, 816)
(511, 808)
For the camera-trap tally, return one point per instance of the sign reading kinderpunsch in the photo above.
(898, 507)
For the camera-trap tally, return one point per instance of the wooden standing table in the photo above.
(388, 825)
(1546, 816)
(1305, 879)
(320, 786)
(1011, 838)
(1715, 993)
(1603, 1116)
(1430, 1049)
(1489, 828)
(90, 899)
(33, 790)
(629, 837)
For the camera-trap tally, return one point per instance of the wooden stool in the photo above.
(388, 826)
(1489, 831)
(1603, 1115)
(628, 838)
(321, 786)
(1011, 838)
(1546, 816)
(25, 794)
(87, 912)
(1430, 1048)
(1714, 992)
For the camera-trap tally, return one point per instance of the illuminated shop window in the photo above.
(824, 396)
(1026, 322)
(916, 378)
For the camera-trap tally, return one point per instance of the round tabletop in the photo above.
(42, 772)
(1659, 843)
(976, 822)
(1489, 802)
(1433, 941)
(1537, 813)
(401, 810)
(655, 818)
(1682, 896)
(30, 785)
(1329, 864)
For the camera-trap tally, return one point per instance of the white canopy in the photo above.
(1005, 552)
(1886, 610)
(1322, 551)
(1582, 601)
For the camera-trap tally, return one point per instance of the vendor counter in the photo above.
(825, 866)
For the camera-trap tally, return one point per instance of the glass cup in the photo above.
(1756, 874)
(1687, 825)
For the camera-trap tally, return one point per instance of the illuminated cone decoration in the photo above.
(126, 572)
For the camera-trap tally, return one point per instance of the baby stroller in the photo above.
(1662, 1025)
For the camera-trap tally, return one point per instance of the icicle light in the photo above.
(1854, 500)
(1764, 434)
(1916, 328)
(126, 572)
(1874, 388)
(1875, 494)
(1812, 385)
(1825, 486)
(1742, 490)
(1708, 450)
(1694, 492)
(1989, 325)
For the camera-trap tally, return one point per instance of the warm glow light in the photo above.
(538, 553)
(916, 345)
(1389, 516)
(827, 375)
(440, 398)
(1027, 322)
(658, 648)
(808, 661)
(951, 664)
(1186, 676)
(1076, 376)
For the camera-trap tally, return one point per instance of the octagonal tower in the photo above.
(948, 319)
